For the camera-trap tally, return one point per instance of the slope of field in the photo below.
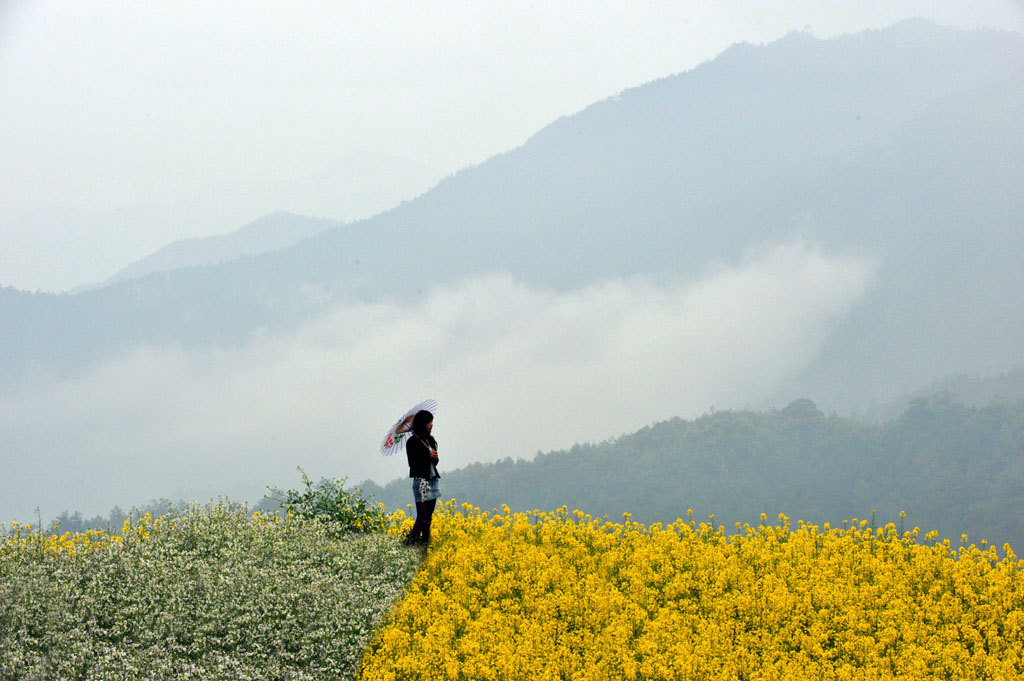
(566, 596)
(221, 594)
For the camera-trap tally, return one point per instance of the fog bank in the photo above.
(517, 369)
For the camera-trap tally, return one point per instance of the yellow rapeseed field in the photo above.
(566, 596)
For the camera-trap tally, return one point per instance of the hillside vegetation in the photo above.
(950, 467)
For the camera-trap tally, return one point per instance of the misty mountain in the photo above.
(970, 390)
(949, 467)
(900, 145)
(83, 246)
(269, 233)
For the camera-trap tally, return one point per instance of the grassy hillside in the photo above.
(950, 467)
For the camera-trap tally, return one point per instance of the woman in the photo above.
(421, 450)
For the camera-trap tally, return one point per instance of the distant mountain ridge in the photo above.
(269, 233)
(895, 143)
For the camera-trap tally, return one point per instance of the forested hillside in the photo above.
(951, 468)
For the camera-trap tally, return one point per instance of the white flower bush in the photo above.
(214, 594)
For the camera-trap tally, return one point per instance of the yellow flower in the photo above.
(564, 595)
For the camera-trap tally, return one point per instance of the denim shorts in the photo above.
(425, 489)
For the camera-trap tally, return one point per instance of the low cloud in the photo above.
(516, 369)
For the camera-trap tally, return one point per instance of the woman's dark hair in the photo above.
(420, 421)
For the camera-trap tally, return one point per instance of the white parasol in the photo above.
(395, 439)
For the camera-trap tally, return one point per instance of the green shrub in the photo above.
(328, 502)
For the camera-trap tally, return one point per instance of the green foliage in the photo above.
(215, 593)
(327, 501)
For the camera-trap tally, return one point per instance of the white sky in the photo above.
(118, 119)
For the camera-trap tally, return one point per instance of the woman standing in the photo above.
(421, 450)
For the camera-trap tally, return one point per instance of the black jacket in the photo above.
(419, 458)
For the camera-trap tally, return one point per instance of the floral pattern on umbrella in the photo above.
(395, 439)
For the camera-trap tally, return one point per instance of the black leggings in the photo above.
(421, 528)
